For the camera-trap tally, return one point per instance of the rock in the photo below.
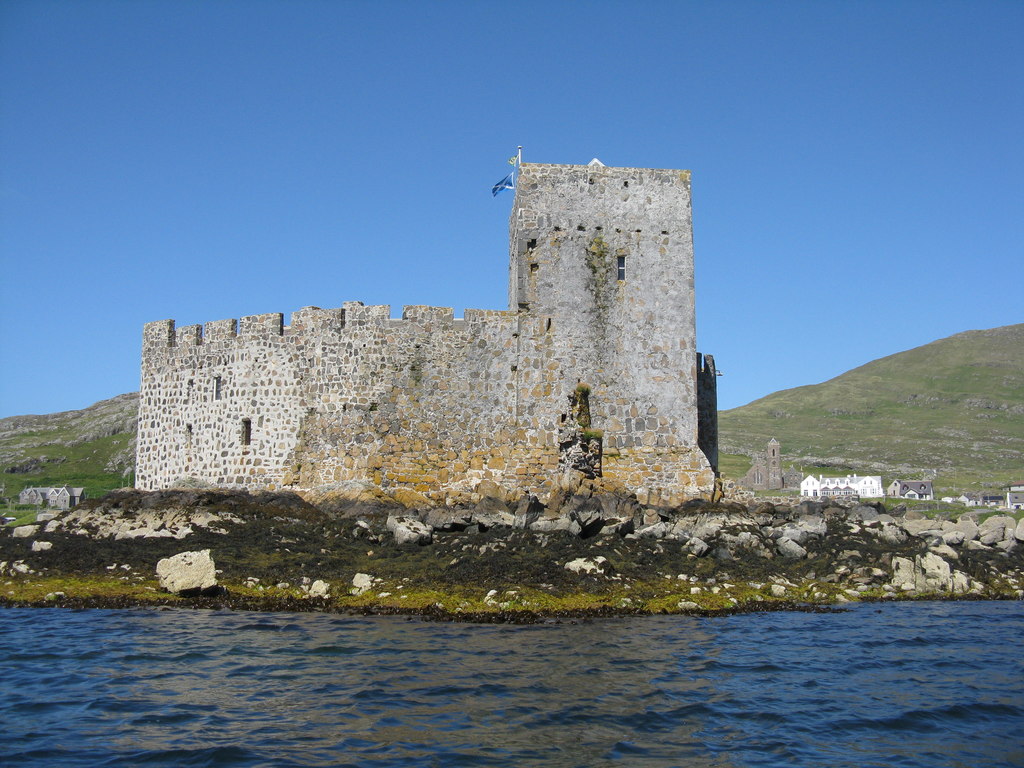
(548, 524)
(922, 527)
(54, 596)
(655, 531)
(528, 511)
(997, 528)
(319, 588)
(944, 550)
(361, 582)
(1018, 532)
(892, 534)
(778, 590)
(188, 573)
(926, 573)
(41, 546)
(697, 547)
(409, 530)
(862, 513)
(968, 527)
(440, 519)
(687, 605)
(582, 565)
(25, 531)
(953, 537)
(492, 512)
(790, 549)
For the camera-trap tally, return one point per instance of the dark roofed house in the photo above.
(910, 489)
(1015, 495)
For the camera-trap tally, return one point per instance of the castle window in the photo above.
(246, 431)
(534, 266)
(188, 435)
(531, 244)
(621, 268)
(218, 384)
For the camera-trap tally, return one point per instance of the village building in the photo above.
(869, 486)
(64, 497)
(766, 472)
(910, 489)
(1015, 496)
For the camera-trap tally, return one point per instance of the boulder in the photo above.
(319, 588)
(409, 530)
(687, 605)
(790, 549)
(440, 519)
(528, 511)
(492, 512)
(996, 529)
(361, 582)
(41, 546)
(968, 527)
(696, 547)
(549, 524)
(926, 573)
(25, 531)
(892, 534)
(188, 573)
(1018, 532)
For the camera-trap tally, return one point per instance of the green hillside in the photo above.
(93, 448)
(952, 409)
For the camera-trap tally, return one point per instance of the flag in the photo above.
(505, 183)
(513, 160)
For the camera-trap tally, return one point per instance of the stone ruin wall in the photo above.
(426, 402)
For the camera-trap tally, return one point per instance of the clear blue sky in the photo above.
(858, 172)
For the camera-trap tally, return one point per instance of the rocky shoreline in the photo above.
(588, 551)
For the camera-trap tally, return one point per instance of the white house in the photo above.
(851, 485)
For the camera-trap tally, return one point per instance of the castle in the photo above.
(593, 367)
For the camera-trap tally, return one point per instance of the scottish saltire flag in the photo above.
(505, 183)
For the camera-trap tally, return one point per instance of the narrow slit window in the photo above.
(188, 435)
(621, 268)
(246, 431)
(218, 387)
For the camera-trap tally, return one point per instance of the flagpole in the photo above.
(519, 161)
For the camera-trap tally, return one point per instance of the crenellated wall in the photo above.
(435, 403)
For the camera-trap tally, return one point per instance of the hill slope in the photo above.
(954, 407)
(93, 447)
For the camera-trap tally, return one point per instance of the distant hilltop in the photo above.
(952, 409)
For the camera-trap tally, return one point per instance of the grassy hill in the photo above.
(952, 410)
(93, 448)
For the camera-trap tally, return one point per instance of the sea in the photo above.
(890, 684)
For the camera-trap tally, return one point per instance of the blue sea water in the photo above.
(906, 684)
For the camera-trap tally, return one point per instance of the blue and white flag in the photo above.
(505, 183)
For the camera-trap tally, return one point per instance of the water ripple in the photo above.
(921, 684)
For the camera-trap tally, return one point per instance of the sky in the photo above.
(858, 167)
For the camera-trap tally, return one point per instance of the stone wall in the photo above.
(601, 293)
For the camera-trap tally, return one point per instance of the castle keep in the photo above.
(592, 367)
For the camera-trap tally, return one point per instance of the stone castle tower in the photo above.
(594, 366)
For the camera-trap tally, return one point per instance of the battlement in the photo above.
(310, 322)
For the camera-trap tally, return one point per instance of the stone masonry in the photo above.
(600, 320)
